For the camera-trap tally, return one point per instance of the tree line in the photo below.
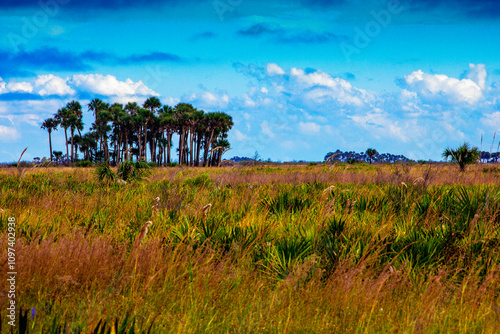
(145, 132)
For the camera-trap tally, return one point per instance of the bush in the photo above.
(84, 163)
(202, 180)
(105, 174)
(133, 171)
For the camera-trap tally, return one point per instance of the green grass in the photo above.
(386, 250)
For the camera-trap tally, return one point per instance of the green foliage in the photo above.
(202, 180)
(83, 163)
(130, 171)
(286, 201)
(286, 253)
(104, 174)
(371, 152)
(462, 156)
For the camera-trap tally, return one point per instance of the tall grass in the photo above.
(257, 249)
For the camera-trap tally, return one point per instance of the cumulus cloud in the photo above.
(478, 74)
(52, 85)
(109, 85)
(439, 88)
(19, 87)
(42, 85)
(318, 87)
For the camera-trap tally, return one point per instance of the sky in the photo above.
(299, 78)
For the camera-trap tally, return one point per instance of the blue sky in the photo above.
(300, 78)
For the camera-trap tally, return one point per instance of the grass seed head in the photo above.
(142, 234)
(205, 209)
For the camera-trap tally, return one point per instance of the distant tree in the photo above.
(50, 124)
(371, 152)
(256, 156)
(121, 131)
(462, 156)
(58, 155)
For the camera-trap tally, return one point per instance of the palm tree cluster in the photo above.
(119, 132)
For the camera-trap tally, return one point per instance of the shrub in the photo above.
(83, 163)
(462, 156)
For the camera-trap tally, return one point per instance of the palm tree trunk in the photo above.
(169, 144)
(146, 142)
(66, 136)
(181, 146)
(191, 151)
(207, 148)
(140, 147)
(50, 143)
(72, 145)
(198, 148)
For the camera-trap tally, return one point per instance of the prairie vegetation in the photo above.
(280, 249)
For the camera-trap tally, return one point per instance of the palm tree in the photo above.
(132, 128)
(50, 124)
(75, 122)
(183, 113)
(168, 123)
(63, 119)
(152, 104)
(97, 105)
(464, 155)
(103, 118)
(371, 152)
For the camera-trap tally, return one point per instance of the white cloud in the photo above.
(42, 85)
(319, 87)
(248, 102)
(2, 86)
(266, 130)
(240, 136)
(274, 69)
(439, 88)
(110, 86)
(8, 134)
(208, 100)
(309, 128)
(477, 73)
(52, 85)
(170, 101)
(381, 126)
(19, 87)
(492, 121)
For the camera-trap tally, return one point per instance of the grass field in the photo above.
(280, 249)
